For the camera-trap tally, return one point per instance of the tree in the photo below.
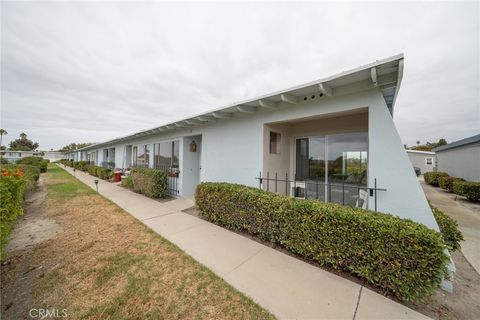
(74, 146)
(23, 144)
(3, 132)
(441, 142)
(430, 145)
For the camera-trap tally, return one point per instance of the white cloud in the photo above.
(75, 72)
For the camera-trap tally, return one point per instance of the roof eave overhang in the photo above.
(386, 74)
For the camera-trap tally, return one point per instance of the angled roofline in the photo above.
(459, 143)
(264, 101)
(420, 151)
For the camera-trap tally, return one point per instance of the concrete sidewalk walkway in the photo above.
(287, 287)
(467, 214)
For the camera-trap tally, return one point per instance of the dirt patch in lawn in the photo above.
(32, 228)
(463, 303)
(106, 265)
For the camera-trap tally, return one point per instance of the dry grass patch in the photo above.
(106, 265)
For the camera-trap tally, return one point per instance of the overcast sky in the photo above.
(89, 72)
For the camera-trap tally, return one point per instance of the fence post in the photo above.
(268, 180)
(295, 185)
(286, 183)
(260, 180)
(276, 182)
(375, 185)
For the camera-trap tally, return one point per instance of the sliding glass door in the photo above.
(310, 166)
(332, 168)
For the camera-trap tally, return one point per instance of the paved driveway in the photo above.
(466, 213)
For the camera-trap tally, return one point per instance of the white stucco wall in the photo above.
(419, 160)
(389, 164)
(462, 162)
(232, 150)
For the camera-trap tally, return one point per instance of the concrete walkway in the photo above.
(287, 287)
(467, 214)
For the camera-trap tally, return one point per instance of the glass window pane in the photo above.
(163, 155)
(134, 153)
(176, 154)
(275, 142)
(347, 166)
(147, 156)
(302, 167)
(310, 166)
(140, 156)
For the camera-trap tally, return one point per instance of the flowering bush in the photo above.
(12, 190)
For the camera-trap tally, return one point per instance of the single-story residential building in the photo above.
(333, 139)
(14, 156)
(460, 158)
(424, 160)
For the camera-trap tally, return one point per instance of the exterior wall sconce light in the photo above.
(96, 184)
(193, 146)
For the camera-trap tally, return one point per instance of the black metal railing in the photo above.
(172, 178)
(342, 192)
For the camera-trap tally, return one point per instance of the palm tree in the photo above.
(3, 132)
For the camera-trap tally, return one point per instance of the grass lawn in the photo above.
(107, 265)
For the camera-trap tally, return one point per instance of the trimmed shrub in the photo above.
(432, 177)
(470, 190)
(449, 228)
(446, 183)
(104, 173)
(80, 165)
(150, 182)
(403, 258)
(92, 170)
(127, 182)
(35, 161)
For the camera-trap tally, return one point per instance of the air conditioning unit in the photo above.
(298, 190)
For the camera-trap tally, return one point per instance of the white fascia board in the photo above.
(222, 110)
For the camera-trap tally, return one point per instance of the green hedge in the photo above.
(35, 161)
(15, 181)
(127, 182)
(470, 190)
(451, 235)
(67, 162)
(446, 183)
(432, 177)
(150, 182)
(403, 258)
(102, 173)
(92, 170)
(80, 165)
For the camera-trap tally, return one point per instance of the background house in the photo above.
(424, 160)
(13, 156)
(460, 158)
